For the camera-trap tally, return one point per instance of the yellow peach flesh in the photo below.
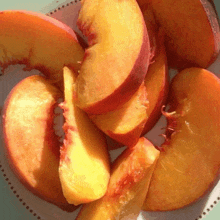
(31, 144)
(84, 164)
(40, 42)
(192, 147)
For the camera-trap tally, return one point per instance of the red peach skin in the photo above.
(31, 145)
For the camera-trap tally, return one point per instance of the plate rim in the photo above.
(51, 12)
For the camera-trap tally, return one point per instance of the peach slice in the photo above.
(117, 59)
(189, 163)
(191, 28)
(84, 163)
(156, 83)
(31, 145)
(128, 186)
(126, 124)
(40, 42)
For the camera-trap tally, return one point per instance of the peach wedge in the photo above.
(128, 186)
(126, 123)
(192, 31)
(117, 59)
(156, 82)
(84, 161)
(31, 145)
(189, 163)
(40, 42)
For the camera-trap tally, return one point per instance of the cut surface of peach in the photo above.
(190, 162)
(117, 59)
(39, 41)
(192, 30)
(84, 162)
(128, 186)
(31, 145)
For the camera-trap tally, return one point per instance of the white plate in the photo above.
(67, 12)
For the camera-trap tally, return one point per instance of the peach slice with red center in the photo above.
(40, 42)
(31, 145)
(128, 186)
(117, 59)
(84, 168)
(192, 31)
(189, 163)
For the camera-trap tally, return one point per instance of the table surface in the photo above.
(10, 207)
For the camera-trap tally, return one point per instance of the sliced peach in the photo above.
(31, 145)
(40, 42)
(151, 23)
(117, 59)
(189, 163)
(157, 79)
(192, 30)
(128, 186)
(126, 124)
(84, 163)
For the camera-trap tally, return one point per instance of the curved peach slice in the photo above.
(40, 42)
(117, 59)
(128, 186)
(84, 163)
(126, 123)
(189, 163)
(31, 144)
(191, 28)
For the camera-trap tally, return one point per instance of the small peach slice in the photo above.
(189, 163)
(128, 186)
(117, 59)
(191, 28)
(84, 162)
(31, 145)
(39, 41)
